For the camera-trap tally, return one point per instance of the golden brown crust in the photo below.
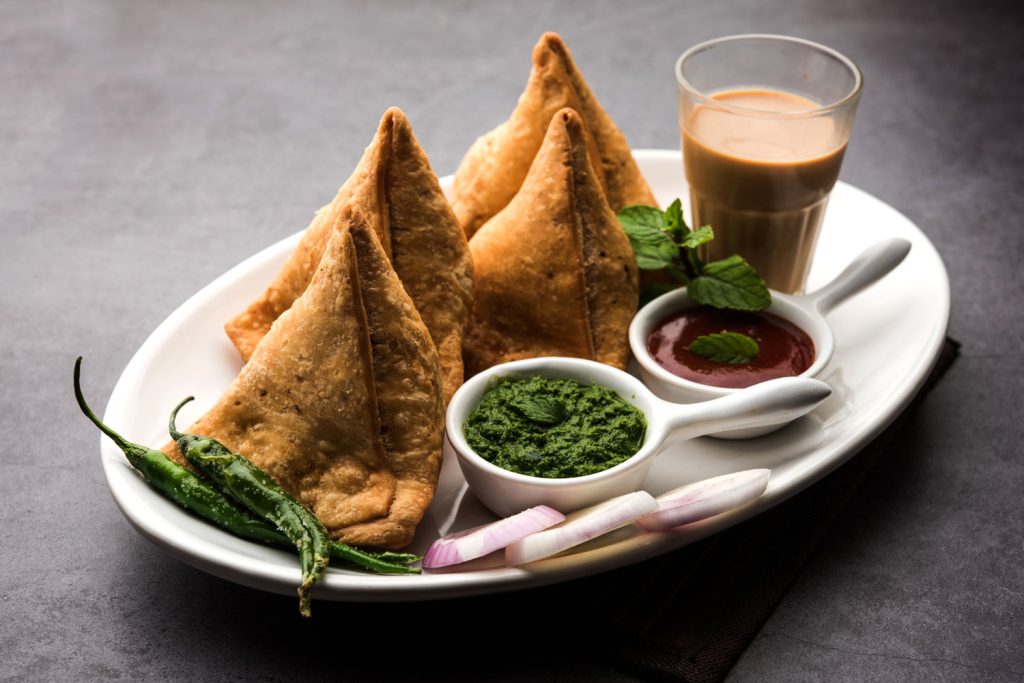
(497, 163)
(555, 275)
(341, 403)
(410, 398)
(396, 191)
(429, 250)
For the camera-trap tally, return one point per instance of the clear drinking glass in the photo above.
(764, 122)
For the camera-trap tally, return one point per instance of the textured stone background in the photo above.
(146, 147)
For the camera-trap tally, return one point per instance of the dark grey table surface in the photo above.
(145, 148)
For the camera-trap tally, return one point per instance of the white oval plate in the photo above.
(887, 339)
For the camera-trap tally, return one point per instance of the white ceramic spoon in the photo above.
(507, 493)
(807, 312)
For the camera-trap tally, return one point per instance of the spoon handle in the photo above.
(873, 264)
(767, 403)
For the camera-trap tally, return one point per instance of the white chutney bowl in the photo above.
(806, 312)
(507, 493)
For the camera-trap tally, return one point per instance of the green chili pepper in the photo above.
(182, 485)
(380, 562)
(389, 556)
(252, 487)
(199, 496)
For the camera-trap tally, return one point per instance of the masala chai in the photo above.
(761, 183)
(764, 122)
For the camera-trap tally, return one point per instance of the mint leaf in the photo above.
(653, 249)
(725, 347)
(640, 215)
(730, 283)
(652, 246)
(674, 223)
(695, 238)
(690, 242)
(540, 409)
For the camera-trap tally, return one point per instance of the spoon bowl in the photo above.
(806, 312)
(507, 493)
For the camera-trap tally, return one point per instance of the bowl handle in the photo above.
(873, 264)
(767, 403)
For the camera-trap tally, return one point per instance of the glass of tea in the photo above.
(764, 122)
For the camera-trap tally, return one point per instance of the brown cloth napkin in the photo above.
(698, 608)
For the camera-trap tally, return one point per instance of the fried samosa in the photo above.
(395, 189)
(342, 403)
(555, 274)
(496, 165)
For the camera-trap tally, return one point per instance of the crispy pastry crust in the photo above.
(497, 163)
(555, 274)
(395, 189)
(342, 402)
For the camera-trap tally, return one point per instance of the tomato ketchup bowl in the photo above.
(806, 312)
(507, 492)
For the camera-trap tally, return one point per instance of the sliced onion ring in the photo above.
(483, 540)
(704, 499)
(581, 526)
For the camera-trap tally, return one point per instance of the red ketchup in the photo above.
(785, 349)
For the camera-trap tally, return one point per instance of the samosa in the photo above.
(496, 165)
(555, 274)
(396, 191)
(342, 402)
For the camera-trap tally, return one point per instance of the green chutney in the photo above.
(554, 428)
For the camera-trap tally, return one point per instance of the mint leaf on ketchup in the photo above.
(730, 283)
(652, 245)
(725, 347)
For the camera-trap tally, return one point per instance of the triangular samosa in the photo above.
(395, 189)
(555, 274)
(494, 167)
(341, 403)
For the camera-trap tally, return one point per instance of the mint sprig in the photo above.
(726, 347)
(661, 240)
